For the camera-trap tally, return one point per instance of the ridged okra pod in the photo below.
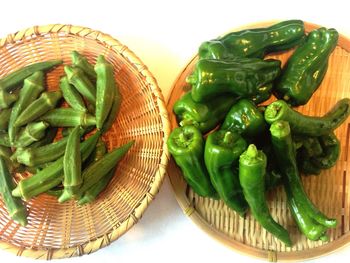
(71, 95)
(15, 78)
(7, 99)
(112, 115)
(4, 139)
(31, 133)
(32, 87)
(4, 119)
(47, 101)
(14, 205)
(105, 87)
(68, 117)
(81, 62)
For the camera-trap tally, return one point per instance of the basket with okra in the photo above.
(56, 136)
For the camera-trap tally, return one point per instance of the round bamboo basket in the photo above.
(66, 230)
(329, 191)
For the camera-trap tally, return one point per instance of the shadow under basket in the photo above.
(330, 191)
(64, 230)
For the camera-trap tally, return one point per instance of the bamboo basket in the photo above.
(66, 230)
(329, 191)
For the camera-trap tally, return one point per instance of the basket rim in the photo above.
(117, 231)
(192, 213)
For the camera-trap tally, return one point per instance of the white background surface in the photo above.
(165, 35)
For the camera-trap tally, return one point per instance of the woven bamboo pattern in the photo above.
(329, 191)
(65, 230)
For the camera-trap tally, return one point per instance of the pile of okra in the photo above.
(233, 144)
(56, 136)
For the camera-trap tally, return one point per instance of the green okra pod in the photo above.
(78, 79)
(32, 87)
(51, 175)
(112, 115)
(4, 139)
(31, 133)
(15, 78)
(14, 205)
(105, 87)
(4, 119)
(46, 102)
(72, 166)
(68, 117)
(71, 95)
(81, 62)
(7, 99)
(97, 154)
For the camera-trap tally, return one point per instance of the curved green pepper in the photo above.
(221, 154)
(240, 77)
(255, 42)
(252, 170)
(206, 115)
(186, 145)
(244, 118)
(309, 125)
(330, 151)
(307, 66)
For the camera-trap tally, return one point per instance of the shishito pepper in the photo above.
(221, 154)
(206, 115)
(307, 66)
(186, 145)
(241, 77)
(255, 42)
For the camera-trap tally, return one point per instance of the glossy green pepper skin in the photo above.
(186, 145)
(306, 68)
(254, 42)
(221, 154)
(245, 118)
(240, 77)
(206, 115)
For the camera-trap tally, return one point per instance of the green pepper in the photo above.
(307, 66)
(7, 99)
(205, 116)
(240, 77)
(255, 42)
(285, 154)
(4, 119)
(245, 118)
(221, 154)
(252, 170)
(68, 117)
(330, 151)
(186, 145)
(71, 95)
(308, 125)
(31, 133)
(81, 62)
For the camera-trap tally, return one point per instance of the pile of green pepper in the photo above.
(230, 147)
(74, 164)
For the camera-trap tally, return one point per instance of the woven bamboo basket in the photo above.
(66, 230)
(329, 191)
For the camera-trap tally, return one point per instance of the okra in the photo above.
(52, 175)
(46, 102)
(81, 62)
(97, 154)
(71, 166)
(71, 95)
(33, 132)
(97, 170)
(68, 117)
(77, 78)
(105, 87)
(15, 78)
(32, 87)
(114, 110)
(4, 119)
(4, 139)
(7, 99)
(14, 205)
(5, 153)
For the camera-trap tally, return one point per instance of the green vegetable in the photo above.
(4, 119)
(71, 95)
(31, 133)
(307, 66)
(14, 205)
(112, 115)
(105, 87)
(81, 62)
(52, 175)
(186, 145)
(97, 154)
(330, 151)
(252, 170)
(47, 101)
(4, 139)
(7, 99)
(308, 125)
(255, 42)
(244, 118)
(32, 87)
(240, 77)
(205, 116)
(15, 78)
(221, 154)
(72, 166)
(68, 117)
